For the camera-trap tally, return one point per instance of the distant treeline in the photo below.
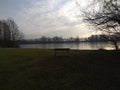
(97, 38)
(103, 38)
(56, 39)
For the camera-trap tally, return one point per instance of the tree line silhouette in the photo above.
(56, 39)
(10, 34)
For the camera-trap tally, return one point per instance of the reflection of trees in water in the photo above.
(96, 45)
(79, 46)
(74, 45)
(100, 45)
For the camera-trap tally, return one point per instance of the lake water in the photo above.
(78, 46)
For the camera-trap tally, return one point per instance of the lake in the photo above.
(78, 46)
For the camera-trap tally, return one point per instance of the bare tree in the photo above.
(106, 19)
(9, 33)
(15, 33)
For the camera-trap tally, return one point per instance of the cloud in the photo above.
(51, 18)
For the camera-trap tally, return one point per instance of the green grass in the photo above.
(39, 69)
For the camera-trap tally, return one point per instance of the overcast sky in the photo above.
(50, 18)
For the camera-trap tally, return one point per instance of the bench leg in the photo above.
(55, 53)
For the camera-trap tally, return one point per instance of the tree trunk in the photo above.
(116, 46)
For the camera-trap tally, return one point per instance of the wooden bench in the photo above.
(59, 51)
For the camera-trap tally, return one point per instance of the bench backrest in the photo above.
(62, 49)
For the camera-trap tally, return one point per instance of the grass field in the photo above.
(39, 69)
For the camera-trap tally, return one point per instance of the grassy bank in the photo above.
(37, 69)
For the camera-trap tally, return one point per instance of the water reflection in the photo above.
(79, 46)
